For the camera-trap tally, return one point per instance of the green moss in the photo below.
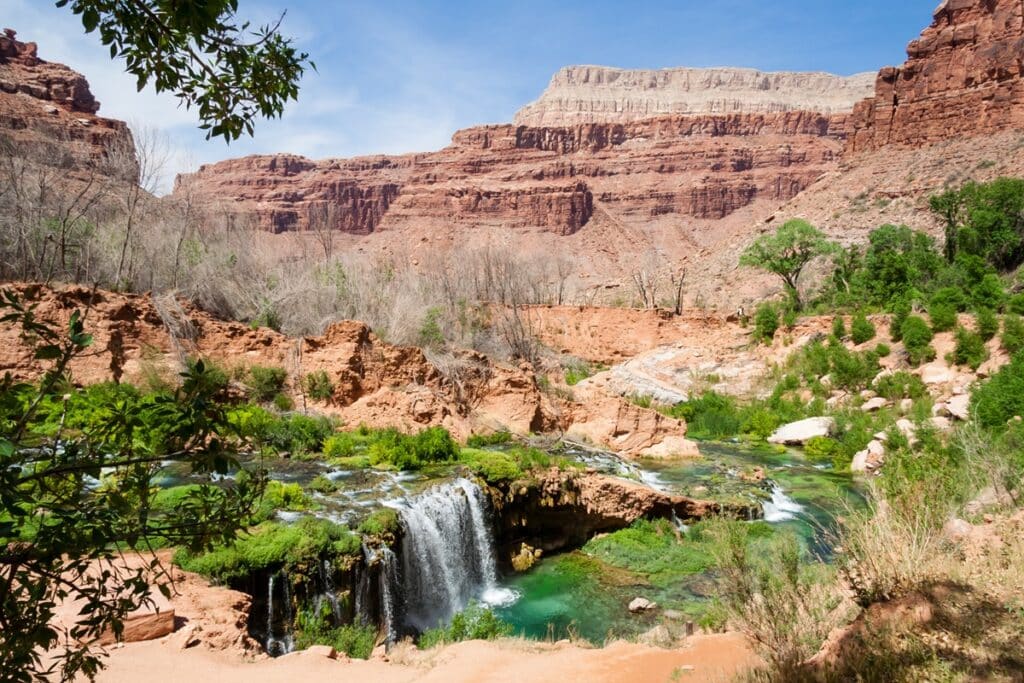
(273, 546)
(381, 524)
(492, 466)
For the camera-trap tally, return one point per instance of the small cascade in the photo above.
(329, 594)
(781, 507)
(279, 639)
(363, 597)
(447, 554)
(388, 583)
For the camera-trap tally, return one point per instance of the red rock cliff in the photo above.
(552, 179)
(963, 77)
(48, 116)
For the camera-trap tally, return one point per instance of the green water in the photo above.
(577, 593)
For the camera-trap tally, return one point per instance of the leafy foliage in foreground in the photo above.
(201, 53)
(76, 472)
(473, 623)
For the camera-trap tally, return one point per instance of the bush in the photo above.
(822, 449)
(430, 334)
(989, 293)
(313, 627)
(484, 440)
(299, 433)
(861, 329)
(949, 297)
(492, 466)
(266, 382)
(709, 416)
(943, 317)
(432, 445)
(473, 623)
(1013, 333)
(852, 370)
(901, 310)
(917, 338)
(284, 402)
(1016, 304)
(900, 385)
(340, 445)
(839, 327)
(766, 322)
(882, 350)
(970, 349)
(1001, 398)
(318, 386)
(986, 323)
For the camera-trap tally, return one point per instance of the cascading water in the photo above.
(781, 508)
(447, 554)
(388, 584)
(329, 594)
(279, 639)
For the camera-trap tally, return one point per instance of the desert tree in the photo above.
(787, 252)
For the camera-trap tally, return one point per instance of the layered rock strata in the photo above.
(601, 94)
(963, 77)
(551, 179)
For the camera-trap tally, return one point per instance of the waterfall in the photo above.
(447, 554)
(362, 605)
(327, 579)
(781, 507)
(388, 579)
(285, 643)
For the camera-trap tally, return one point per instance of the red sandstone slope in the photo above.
(48, 116)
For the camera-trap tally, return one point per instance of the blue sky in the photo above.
(401, 76)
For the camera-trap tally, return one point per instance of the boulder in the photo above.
(941, 424)
(321, 651)
(803, 431)
(860, 461)
(659, 636)
(936, 373)
(874, 404)
(956, 530)
(960, 407)
(638, 605)
(906, 405)
(143, 624)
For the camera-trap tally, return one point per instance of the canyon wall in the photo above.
(600, 94)
(553, 179)
(963, 77)
(48, 116)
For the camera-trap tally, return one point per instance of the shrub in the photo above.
(766, 322)
(761, 423)
(943, 317)
(473, 623)
(284, 402)
(901, 310)
(852, 370)
(318, 386)
(989, 292)
(432, 445)
(821, 449)
(299, 433)
(314, 627)
(882, 350)
(1016, 304)
(484, 440)
(1001, 398)
(266, 382)
(949, 297)
(861, 329)
(790, 317)
(709, 416)
(322, 484)
(430, 334)
(970, 348)
(1013, 333)
(917, 338)
(839, 327)
(340, 445)
(986, 323)
(900, 385)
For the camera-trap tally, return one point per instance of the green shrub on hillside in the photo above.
(900, 385)
(318, 386)
(1001, 398)
(340, 445)
(1012, 340)
(852, 370)
(970, 349)
(493, 439)
(709, 416)
(492, 466)
(1016, 304)
(266, 382)
(861, 329)
(882, 350)
(986, 323)
(901, 310)
(949, 298)
(839, 327)
(432, 445)
(766, 322)
(917, 338)
(989, 293)
(943, 317)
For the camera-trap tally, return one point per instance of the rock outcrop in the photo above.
(48, 116)
(550, 179)
(601, 94)
(963, 77)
